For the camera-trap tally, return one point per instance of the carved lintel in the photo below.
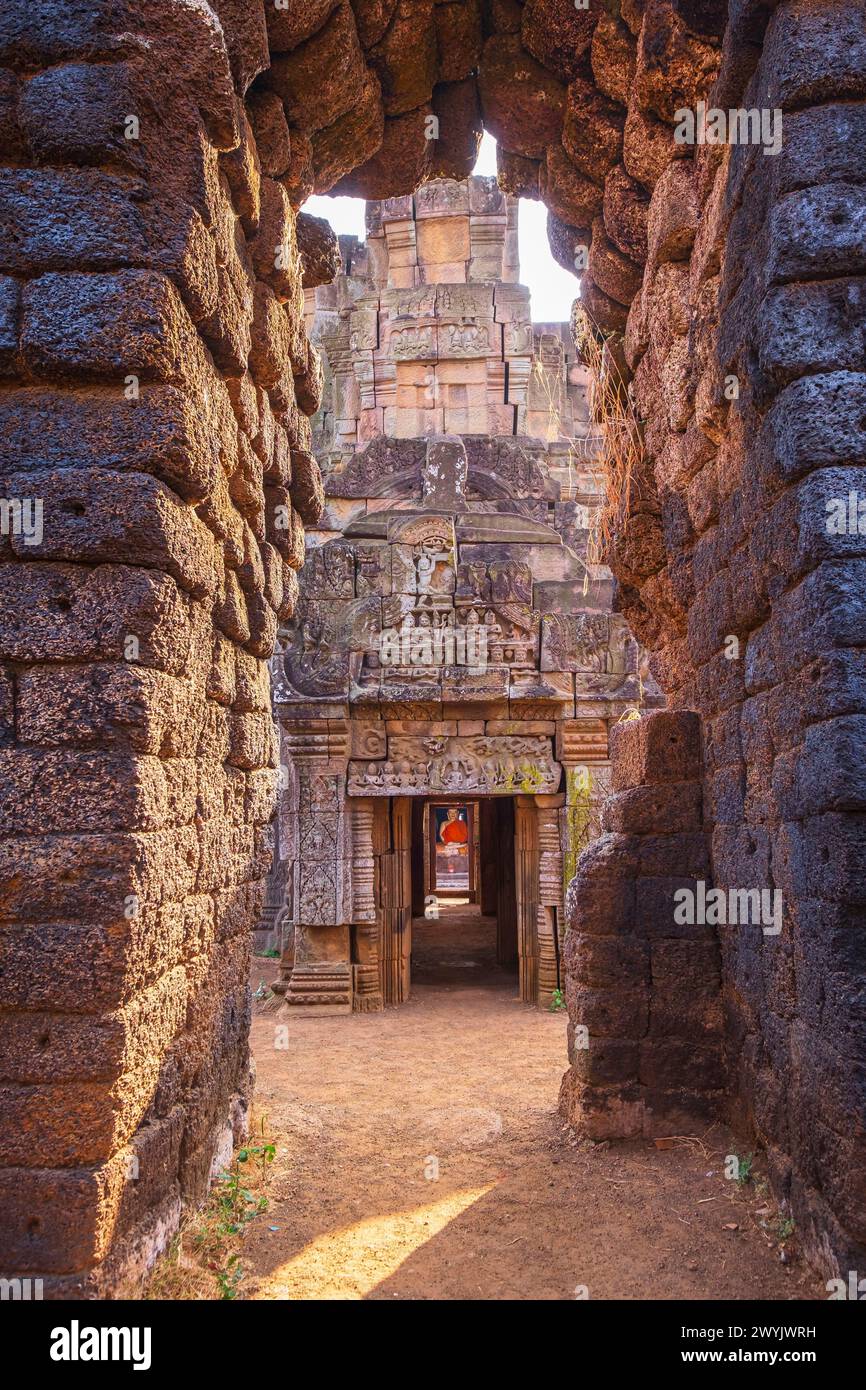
(501, 766)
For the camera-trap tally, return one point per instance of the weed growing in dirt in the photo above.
(203, 1260)
(744, 1169)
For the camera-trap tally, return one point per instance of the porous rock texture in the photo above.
(156, 387)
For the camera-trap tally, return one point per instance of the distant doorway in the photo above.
(464, 929)
(451, 850)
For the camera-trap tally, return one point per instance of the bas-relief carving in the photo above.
(419, 303)
(439, 196)
(487, 766)
(323, 847)
(409, 344)
(389, 209)
(518, 338)
(317, 894)
(464, 301)
(499, 581)
(368, 740)
(368, 469)
(363, 329)
(372, 570)
(327, 644)
(329, 572)
(512, 467)
(485, 196)
(464, 340)
(597, 644)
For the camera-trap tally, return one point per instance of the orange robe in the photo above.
(454, 832)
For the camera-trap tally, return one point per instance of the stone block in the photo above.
(818, 232)
(85, 614)
(795, 438)
(130, 323)
(663, 746)
(615, 1013)
(671, 808)
(814, 54)
(317, 80)
(523, 103)
(602, 962)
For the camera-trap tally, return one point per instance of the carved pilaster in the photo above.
(321, 906)
(365, 929)
(549, 922)
(269, 934)
(549, 850)
(526, 876)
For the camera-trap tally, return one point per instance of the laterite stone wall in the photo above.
(156, 386)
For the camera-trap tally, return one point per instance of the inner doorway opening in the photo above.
(452, 852)
(464, 930)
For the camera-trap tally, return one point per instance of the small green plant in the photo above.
(263, 1154)
(229, 1278)
(557, 1002)
(744, 1169)
(785, 1228)
(202, 1258)
(236, 1204)
(272, 953)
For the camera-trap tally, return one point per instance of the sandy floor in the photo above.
(420, 1156)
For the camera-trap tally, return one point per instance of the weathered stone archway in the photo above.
(157, 385)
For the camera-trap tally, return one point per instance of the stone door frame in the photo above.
(382, 853)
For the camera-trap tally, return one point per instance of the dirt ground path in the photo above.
(420, 1156)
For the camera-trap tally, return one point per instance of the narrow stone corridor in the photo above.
(457, 951)
(420, 1156)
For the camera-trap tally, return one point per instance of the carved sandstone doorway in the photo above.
(463, 902)
(515, 878)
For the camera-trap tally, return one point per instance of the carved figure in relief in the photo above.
(438, 193)
(471, 338)
(509, 581)
(481, 580)
(329, 572)
(411, 342)
(591, 639)
(425, 566)
(456, 772)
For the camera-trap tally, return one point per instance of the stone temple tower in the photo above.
(430, 332)
(453, 644)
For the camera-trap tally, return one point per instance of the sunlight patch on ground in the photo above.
(350, 1263)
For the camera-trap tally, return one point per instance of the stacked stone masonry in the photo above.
(157, 389)
(646, 1037)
